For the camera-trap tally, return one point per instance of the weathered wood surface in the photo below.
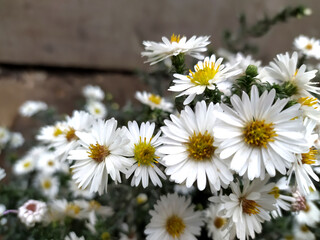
(109, 34)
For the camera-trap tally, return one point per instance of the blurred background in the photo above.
(49, 50)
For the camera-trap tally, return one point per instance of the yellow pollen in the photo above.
(144, 153)
(94, 205)
(57, 131)
(175, 226)
(308, 101)
(275, 191)
(307, 209)
(71, 134)
(175, 38)
(304, 228)
(26, 164)
(310, 157)
(98, 152)
(249, 206)
(308, 46)
(258, 133)
(296, 72)
(51, 163)
(155, 99)
(46, 184)
(219, 222)
(200, 147)
(204, 75)
(71, 207)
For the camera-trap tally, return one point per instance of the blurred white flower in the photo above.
(30, 108)
(93, 93)
(32, 212)
(16, 140)
(96, 109)
(154, 101)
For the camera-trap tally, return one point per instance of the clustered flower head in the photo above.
(238, 148)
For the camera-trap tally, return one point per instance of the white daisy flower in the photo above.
(49, 134)
(96, 109)
(173, 217)
(190, 148)
(302, 167)
(102, 153)
(258, 135)
(49, 185)
(215, 224)
(154, 101)
(241, 61)
(4, 136)
(61, 208)
(48, 163)
(16, 140)
(73, 236)
(282, 201)
(142, 198)
(30, 108)
(2, 173)
(25, 165)
(310, 214)
(302, 232)
(143, 147)
(285, 69)
(248, 208)
(308, 46)
(32, 212)
(310, 107)
(207, 73)
(93, 93)
(81, 122)
(156, 52)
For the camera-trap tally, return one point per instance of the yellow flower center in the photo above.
(304, 228)
(204, 75)
(155, 99)
(94, 205)
(309, 157)
(71, 134)
(105, 236)
(50, 163)
(27, 164)
(73, 208)
(175, 38)
(98, 152)
(308, 46)
(47, 184)
(219, 222)
(175, 226)
(258, 133)
(57, 131)
(275, 191)
(97, 110)
(144, 153)
(308, 101)
(249, 206)
(307, 208)
(200, 146)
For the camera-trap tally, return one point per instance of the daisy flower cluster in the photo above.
(230, 154)
(10, 140)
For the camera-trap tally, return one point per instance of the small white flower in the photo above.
(25, 165)
(96, 109)
(154, 101)
(173, 217)
(93, 93)
(156, 52)
(102, 153)
(143, 147)
(30, 108)
(73, 236)
(207, 74)
(61, 208)
(241, 61)
(49, 134)
(48, 185)
(48, 163)
(16, 140)
(308, 46)
(32, 212)
(215, 224)
(285, 69)
(310, 215)
(142, 198)
(2, 173)
(246, 209)
(190, 148)
(4, 136)
(258, 135)
(302, 232)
